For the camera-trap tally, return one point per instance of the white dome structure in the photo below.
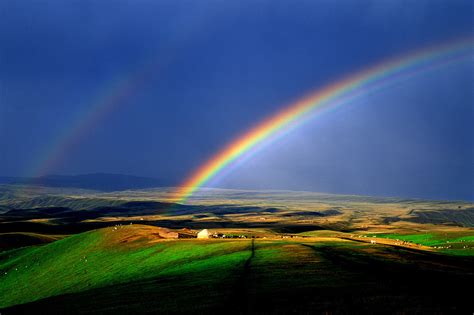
(203, 234)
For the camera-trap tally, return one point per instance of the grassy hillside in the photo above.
(130, 269)
(107, 257)
(453, 243)
(310, 253)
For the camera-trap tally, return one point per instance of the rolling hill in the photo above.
(61, 248)
(132, 269)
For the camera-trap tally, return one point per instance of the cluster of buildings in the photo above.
(203, 234)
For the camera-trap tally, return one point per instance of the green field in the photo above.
(97, 259)
(126, 264)
(449, 243)
(86, 252)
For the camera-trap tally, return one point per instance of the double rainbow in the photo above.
(330, 96)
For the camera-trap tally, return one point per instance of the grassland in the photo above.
(128, 264)
(453, 243)
(99, 258)
(303, 252)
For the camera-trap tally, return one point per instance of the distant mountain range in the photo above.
(98, 181)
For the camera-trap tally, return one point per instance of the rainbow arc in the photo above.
(328, 97)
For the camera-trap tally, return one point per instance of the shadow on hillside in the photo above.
(66, 215)
(63, 220)
(330, 279)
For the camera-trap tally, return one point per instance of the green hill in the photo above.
(106, 257)
(130, 269)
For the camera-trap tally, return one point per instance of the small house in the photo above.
(203, 234)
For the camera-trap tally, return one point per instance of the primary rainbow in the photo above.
(329, 96)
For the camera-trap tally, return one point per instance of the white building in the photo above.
(203, 234)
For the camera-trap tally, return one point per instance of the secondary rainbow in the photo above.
(122, 88)
(340, 92)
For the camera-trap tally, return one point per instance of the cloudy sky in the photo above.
(155, 88)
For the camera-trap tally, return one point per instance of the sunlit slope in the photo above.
(106, 257)
(128, 269)
(452, 243)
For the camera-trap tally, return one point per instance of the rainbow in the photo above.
(330, 96)
(68, 141)
(122, 88)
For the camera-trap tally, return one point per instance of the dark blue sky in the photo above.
(215, 68)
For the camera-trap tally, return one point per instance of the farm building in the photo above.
(203, 234)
